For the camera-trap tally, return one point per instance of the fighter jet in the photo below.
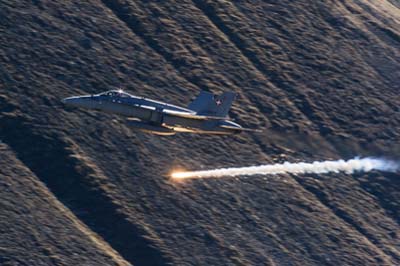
(207, 114)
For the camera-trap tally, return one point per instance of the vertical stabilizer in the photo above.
(213, 105)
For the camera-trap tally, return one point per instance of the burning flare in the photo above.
(349, 167)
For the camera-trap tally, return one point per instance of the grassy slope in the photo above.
(37, 229)
(321, 78)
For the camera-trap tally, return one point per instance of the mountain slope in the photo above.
(37, 229)
(320, 77)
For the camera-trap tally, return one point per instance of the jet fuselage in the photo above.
(154, 116)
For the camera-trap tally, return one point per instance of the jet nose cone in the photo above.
(79, 101)
(84, 101)
(70, 100)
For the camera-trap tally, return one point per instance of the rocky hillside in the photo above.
(80, 187)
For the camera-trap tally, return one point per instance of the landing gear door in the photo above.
(157, 116)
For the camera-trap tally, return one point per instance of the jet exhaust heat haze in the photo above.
(318, 167)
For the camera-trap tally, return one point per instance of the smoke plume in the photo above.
(318, 167)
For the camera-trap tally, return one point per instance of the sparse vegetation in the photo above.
(80, 188)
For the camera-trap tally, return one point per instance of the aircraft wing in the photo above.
(192, 115)
(241, 128)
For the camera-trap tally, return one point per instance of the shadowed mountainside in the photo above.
(80, 187)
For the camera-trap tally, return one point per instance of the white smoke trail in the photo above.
(350, 166)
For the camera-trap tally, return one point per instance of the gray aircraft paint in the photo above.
(207, 114)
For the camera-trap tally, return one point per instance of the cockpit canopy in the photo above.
(113, 93)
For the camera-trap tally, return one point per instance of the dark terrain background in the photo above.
(79, 187)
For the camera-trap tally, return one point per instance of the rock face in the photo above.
(79, 187)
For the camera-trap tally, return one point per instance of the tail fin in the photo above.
(213, 105)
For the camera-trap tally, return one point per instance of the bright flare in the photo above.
(180, 175)
(349, 167)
